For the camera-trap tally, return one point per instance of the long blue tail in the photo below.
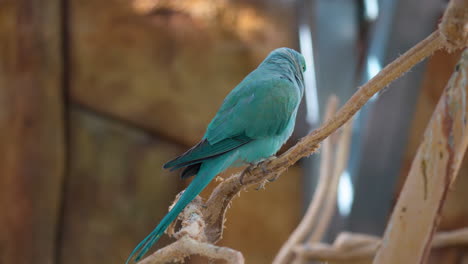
(208, 171)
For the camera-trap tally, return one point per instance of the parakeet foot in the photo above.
(247, 170)
(261, 164)
(274, 178)
(264, 163)
(261, 186)
(267, 171)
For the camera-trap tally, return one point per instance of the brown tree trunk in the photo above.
(31, 130)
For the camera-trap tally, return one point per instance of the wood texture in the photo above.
(417, 214)
(31, 130)
(167, 65)
(259, 221)
(455, 211)
(116, 190)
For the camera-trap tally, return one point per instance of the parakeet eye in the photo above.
(303, 64)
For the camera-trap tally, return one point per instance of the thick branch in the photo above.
(435, 167)
(191, 240)
(454, 25)
(186, 246)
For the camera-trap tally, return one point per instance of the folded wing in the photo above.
(254, 110)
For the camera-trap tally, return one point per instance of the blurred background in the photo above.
(96, 95)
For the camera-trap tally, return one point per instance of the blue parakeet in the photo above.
(254, 121)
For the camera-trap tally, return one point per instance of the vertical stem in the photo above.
(305, 226)
(340, 161)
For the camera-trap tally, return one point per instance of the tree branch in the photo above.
(350, 247)
(340, 161)
(435, 167)
(191, 240)
(334, 157)
(307, 223)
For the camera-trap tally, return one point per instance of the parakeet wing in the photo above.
(258, 109)
(254, 110)
(204, 150)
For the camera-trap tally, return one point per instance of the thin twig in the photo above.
(341, 160)
(418, 210)
(451, 238)
(321, 221)
(307, 222)
(352, 247)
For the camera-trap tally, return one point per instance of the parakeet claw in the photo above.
(267, 171)
(247, 170)
(260, 165)
(261, 186)
(264, 163)
(274, 178)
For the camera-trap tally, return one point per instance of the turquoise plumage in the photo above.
(254, 121)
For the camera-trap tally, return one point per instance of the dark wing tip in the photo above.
(190, 170)
(175, 163)
(167, 165)
(204, 151)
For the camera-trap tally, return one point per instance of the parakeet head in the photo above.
(287, 56)
(289, 63)
(298, 59)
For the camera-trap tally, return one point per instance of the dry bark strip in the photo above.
(418, 210)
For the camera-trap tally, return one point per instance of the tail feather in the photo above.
(208, 170)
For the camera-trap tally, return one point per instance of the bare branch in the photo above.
(351, 247)
(340, 161)
(340, 154)
(186, 246)
(191, 241)
(454, 25)
(435, 167)
(305, 226)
